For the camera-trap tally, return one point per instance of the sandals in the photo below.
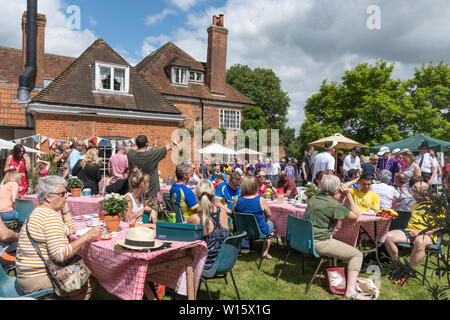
(267, 257)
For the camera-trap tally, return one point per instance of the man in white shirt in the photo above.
(76, 154)
(352, 161)
(386, 192)
(325, 161)
(426, 163)
(275, 171)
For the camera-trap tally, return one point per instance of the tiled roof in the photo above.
(75, 85)
(156, 65)
(11, 65)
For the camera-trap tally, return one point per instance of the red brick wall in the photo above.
(11, 114)
(64, 127)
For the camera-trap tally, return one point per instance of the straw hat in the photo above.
(140, 238)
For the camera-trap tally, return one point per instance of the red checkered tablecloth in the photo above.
(123, 272)
(348, 231)
(279, 213)
(344, 231)
(77, 205)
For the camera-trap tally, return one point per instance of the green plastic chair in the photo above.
(300, 237)
(247, 222)
(225, 261)
(8, 288)
(430, 250)
(23, 208)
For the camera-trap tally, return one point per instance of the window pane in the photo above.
(192, 76)
(105, 78)
(183, 75)
(119, 79)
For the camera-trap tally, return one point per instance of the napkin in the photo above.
(83, 231)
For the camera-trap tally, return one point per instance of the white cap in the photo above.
(383, 150)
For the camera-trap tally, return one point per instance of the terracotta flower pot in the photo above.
(112, 223)
(75, 192)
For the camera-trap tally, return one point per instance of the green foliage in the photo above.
(74, 182)
(253, 118)
(264, 88)
(436, 217)
(114, 204)
(372, 108)
(311, 190)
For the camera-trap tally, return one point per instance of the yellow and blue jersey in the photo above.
(185, 199)
(226, 194)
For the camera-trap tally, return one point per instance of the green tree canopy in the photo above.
(372, 108)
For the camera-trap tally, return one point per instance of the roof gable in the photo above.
(155, 67)
(76, 86)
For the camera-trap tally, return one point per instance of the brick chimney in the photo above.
(216, 64)
(40, 50)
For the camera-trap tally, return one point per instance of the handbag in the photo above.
(336, 280)
(66, 277)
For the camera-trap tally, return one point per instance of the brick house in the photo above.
(198, 89)
(100, 94)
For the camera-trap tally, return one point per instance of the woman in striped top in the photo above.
(50, 232)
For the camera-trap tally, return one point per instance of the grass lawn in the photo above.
(254, 284)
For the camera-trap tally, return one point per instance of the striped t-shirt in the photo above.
(50, 232)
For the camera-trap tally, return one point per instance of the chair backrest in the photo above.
(401, 222)
(230, 223)
(179, 231)
(227, 256)
(23, 207)
(7, 287)
(439, 243)
(178, 215)
(247, 222)
(300, 235)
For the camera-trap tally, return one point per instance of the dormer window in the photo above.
(112, 78)
(195, 76)
(179, 75)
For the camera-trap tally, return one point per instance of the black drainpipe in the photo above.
(23, 93)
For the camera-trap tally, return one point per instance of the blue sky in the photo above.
(303, 41)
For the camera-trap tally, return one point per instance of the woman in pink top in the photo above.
(8, 194)
(21, 163)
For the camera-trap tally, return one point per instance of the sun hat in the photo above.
(140, 238)
(396, 151)
(405, 150)
(424, 145)
(383, 150)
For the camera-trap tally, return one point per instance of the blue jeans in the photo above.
(8, 215)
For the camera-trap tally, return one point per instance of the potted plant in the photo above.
(113, 206)
(310, 191)
(75, 185)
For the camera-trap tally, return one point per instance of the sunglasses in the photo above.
(61, 194)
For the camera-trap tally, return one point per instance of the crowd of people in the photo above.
(208, 194)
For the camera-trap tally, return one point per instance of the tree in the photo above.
(429, 92)
(263, 87)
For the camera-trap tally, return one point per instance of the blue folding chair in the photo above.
(23, 208)
(225, 261)
(8, 288)
(431, 249)
(178, 215)
(300, 237)
(247, 222)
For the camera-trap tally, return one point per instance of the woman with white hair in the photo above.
(50, 231)
(324, 211)
(386, 192)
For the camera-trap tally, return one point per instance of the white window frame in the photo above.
(224, 113)
(98, 82)
(198, 76)
(180, 70)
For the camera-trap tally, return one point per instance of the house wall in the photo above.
(67, 127)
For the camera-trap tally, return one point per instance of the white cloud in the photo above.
(59, 39)
(305, 42)
(152, 19)
(184, 4)
(92, 22)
